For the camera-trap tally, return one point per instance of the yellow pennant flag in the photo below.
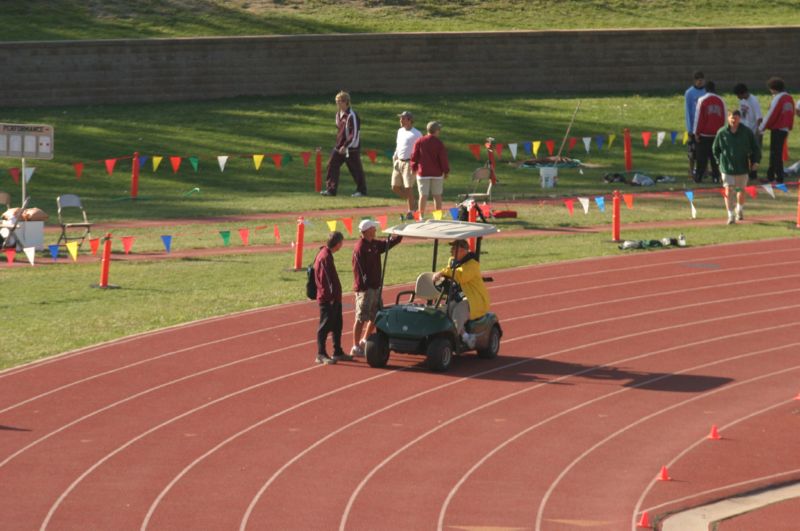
(536, 145)
(156, 161)
(685, 137)
(331, 225)
(257, 160)
(611, 139)
(437, 214)
(72, 247)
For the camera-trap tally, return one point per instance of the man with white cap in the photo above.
(403, 178)
(367, 281)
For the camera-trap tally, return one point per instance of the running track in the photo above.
(609, 369)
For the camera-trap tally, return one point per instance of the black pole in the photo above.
(383, 274)
(435, 254)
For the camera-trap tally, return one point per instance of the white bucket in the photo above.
(549, 176)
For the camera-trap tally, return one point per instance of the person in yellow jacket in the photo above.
(465, 269)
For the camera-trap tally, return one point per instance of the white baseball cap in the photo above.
(367, 224)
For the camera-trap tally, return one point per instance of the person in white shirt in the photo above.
(403, 179)
(750, 110)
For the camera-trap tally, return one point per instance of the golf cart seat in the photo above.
(424, 289)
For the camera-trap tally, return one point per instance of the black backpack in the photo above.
(311, 282)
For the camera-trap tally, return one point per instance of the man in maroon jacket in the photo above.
(708, 119)
(367, 281)
(779, 120)
(347, 149)
(429, 161)
(329, 298)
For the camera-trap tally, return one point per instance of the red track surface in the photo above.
(609, 370)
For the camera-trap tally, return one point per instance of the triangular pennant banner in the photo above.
(768, 188)
(30, 254)
(513, 149)
(673, 135)
(527, 146)
(382, 221)
(570, 204)
(348, 224)
(94, 245)
(331, 225)
(476, 151)
(437, 214)
(110, 163)
(276, 233)
(646, 138)
(176, 163)
(156, 162)
(287, 158)
(599, 140)
(11, 253)
(127, 243)
(166, 239)
(689, 195)
(573, 141)
(551, 146)
(78, 169)
(277, 159)
(257, 160)
(611, 139)
(660, 138)
(685, 137)
(14, 172)
(306, 158)
(584, 201)
(53, 251)
(195, 162)
(601, 202)
(498, 148)
(587, 143)
(782, 187)
(536, 146)
(373, 155)
(226, 237)
(454, 213)
(142, 160)
(751, 191)
(29, 173)
(628, 198)
(244, 234)
(72, 248)
(222, 160)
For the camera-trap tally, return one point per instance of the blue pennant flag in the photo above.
(454, 213)
(600, 140)
(601, 203)
(53, 251)
(781, 187)
(528, 147)
(142, 160)
(167, 240)
(689, 195)
(673, 135)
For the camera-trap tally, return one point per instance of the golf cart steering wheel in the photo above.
(442, 284)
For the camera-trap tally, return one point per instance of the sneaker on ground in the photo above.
(340, 355)
(469, 339)
(731, 219)
(357, 194)
(326, 192)
(409, 215)
(324, 359)
(739, 214)
(356, 352)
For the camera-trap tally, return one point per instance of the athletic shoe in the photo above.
(357, 194)
(731, 218)
(324, 359)
(739, 214)
(356, 352)
(326, 192)
(340, 355)
(409, 215)
(469, 339)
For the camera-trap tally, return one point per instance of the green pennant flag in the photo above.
(194, 161)
(226, 237)
(287, 157)
(389, 153)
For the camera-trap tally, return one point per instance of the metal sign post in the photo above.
(31, 141)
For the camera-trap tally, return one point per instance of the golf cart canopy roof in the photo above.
(443, 230)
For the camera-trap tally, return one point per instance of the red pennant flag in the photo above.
(14, 174)
(11, 253)
(498, 148)
(94, 245)
(127, 243)
(176, 163)
(373, 155)
(646, 137)
(751, 191)
(486, 210)
(277, 158)
(628, 198)
(786, 149)
(306, 157)
(348, 224)
(244, 234)
(110, 163)
(277, 234)
(383, 220)
(78, 169)
(570, 204)
(551, 146)
(476, 151)
(572, 141)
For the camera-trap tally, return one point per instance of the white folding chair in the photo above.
(69, 209)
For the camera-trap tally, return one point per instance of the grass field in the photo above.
(106, 19)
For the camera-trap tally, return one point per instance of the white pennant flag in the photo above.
(660, 138)
(513, 149)
(30, 252)
(587, 143)
(585, 204)
(694, 210)
(222, 160)
(29, 174)
(768, 188)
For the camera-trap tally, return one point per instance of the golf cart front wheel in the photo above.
(493, 347)
(440, 354)
(377, 350)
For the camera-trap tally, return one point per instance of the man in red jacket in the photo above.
(709, 118)
(429, 161)
(329, 298)
(779, 120)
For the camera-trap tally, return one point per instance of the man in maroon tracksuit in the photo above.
(347, 149)
(329, 298)
(708, 119)
(779, 120)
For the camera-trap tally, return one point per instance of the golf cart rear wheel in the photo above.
(493, 347)
(440, 354)
(377, 350)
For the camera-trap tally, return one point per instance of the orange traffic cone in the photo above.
(714, 435)
(644, 521)
(664, 475)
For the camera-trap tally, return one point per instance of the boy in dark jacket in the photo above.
(329, 298)
(737, 153)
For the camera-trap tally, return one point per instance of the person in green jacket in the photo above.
(736, 151)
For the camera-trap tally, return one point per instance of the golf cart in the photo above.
(423, 324)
